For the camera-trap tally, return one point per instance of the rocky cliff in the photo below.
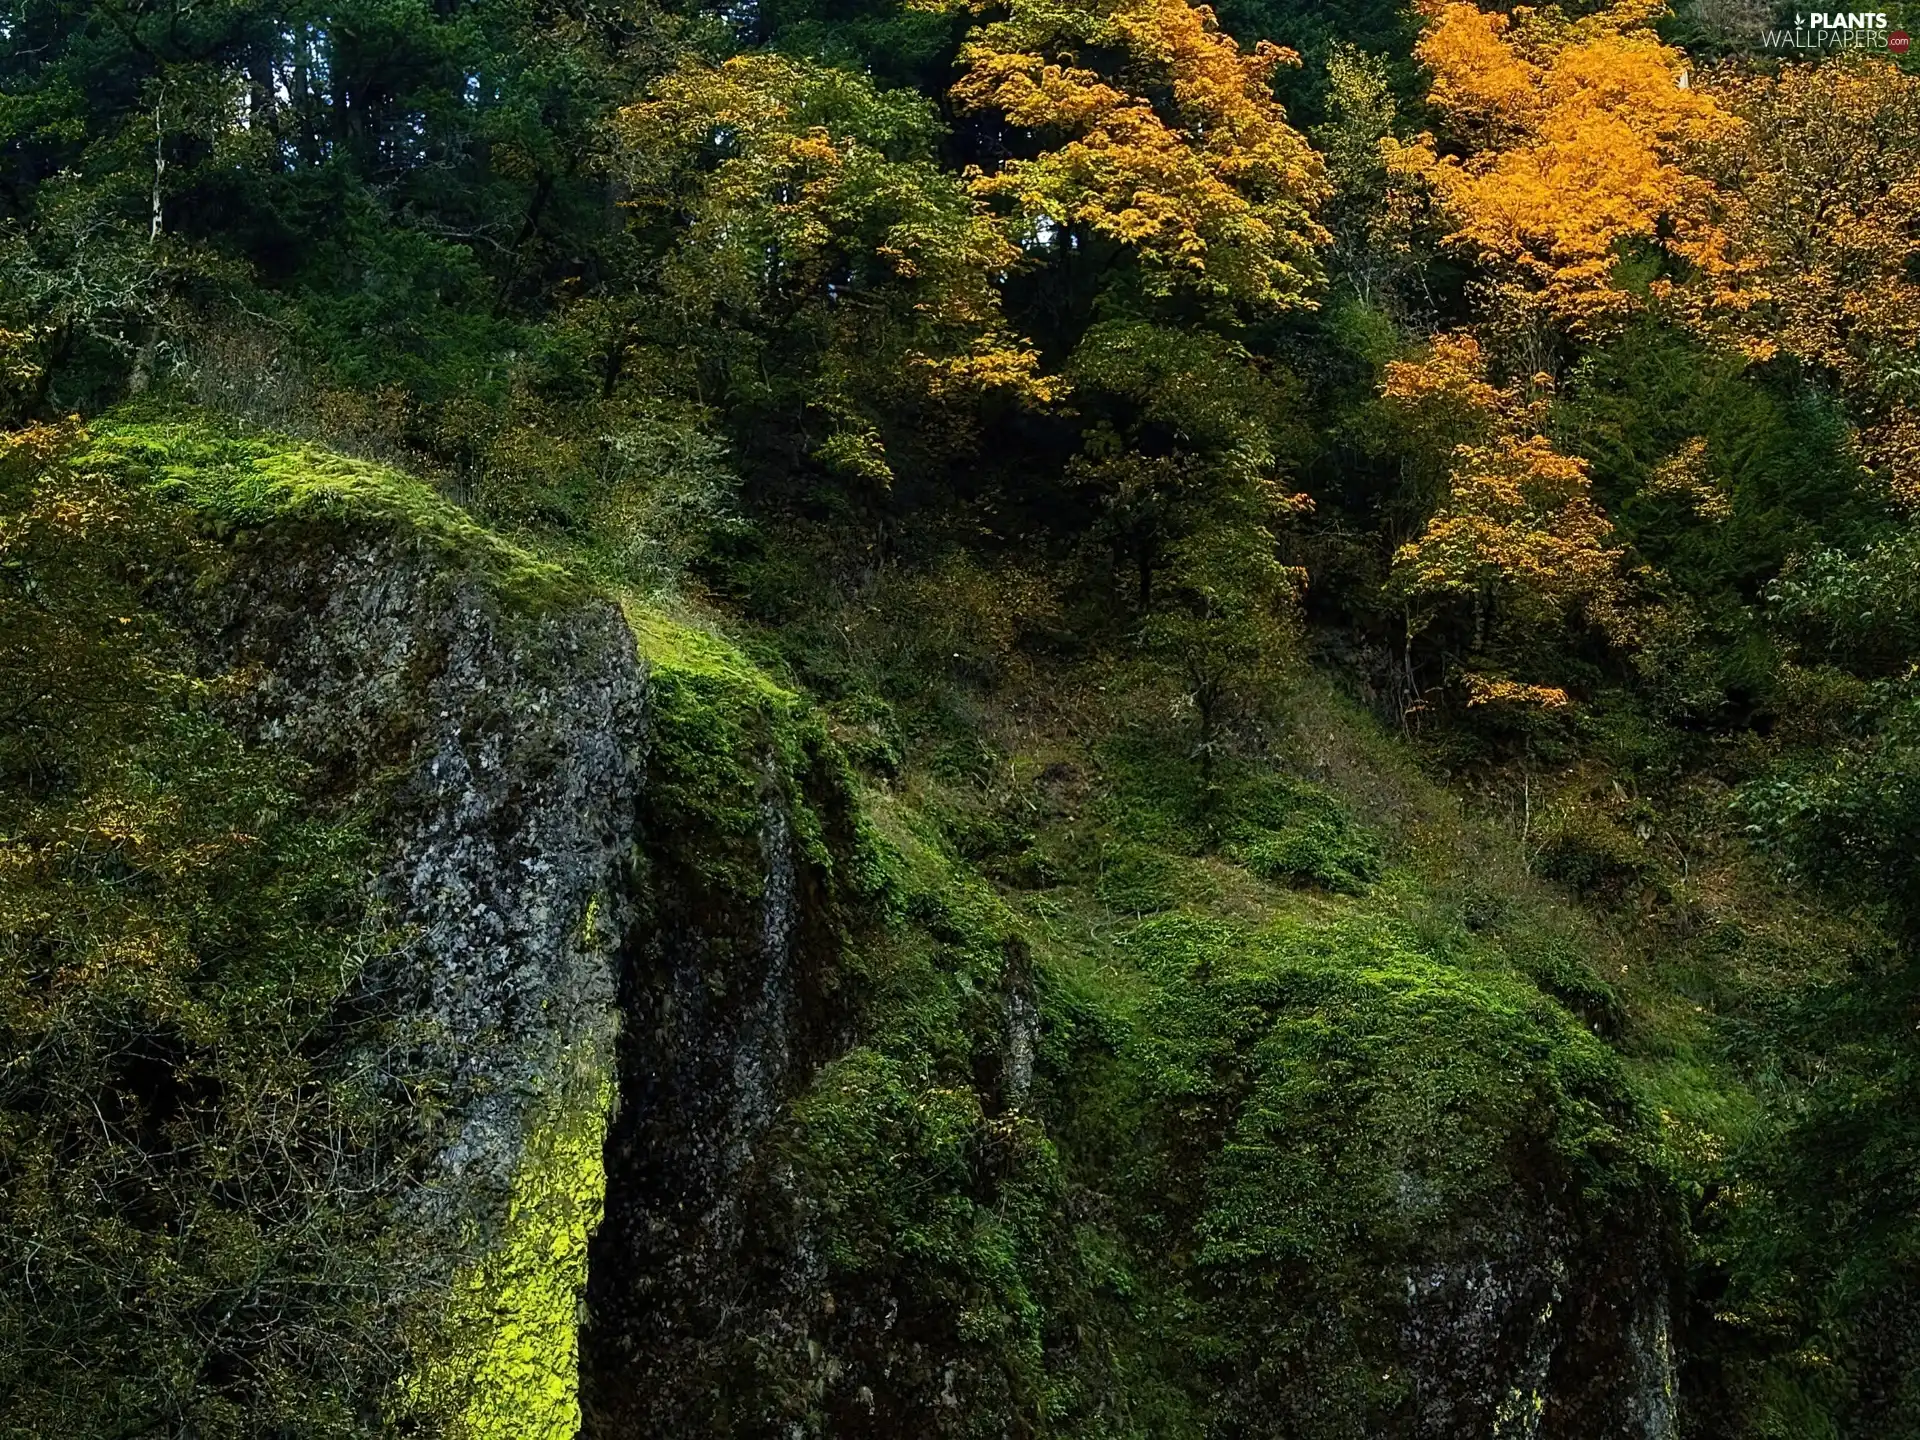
(751, 1106)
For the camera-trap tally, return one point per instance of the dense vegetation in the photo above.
(1370, 550)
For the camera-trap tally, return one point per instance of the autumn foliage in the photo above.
(811, 221)
(1516, 539)
(1157, 132)
(1563, 149)
(1831, 226)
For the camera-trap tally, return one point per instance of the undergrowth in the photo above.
(197, 1160)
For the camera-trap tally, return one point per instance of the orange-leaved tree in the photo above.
(1823, 195)
(1562, 151)
(1516, 548)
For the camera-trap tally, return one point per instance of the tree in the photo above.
(1516, 546)
(1518, 528)
(1181, 426)
(899, 44)
(1822, 190)
(386, 188)
(1565, 142)
(842, 290)
(1227, 624)
(1433, 406)
(1319, 30)
(1149, 129)
(1376, 219)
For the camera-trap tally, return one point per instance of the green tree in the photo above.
(840, 289)
(385, 183)
(1179, 424)
(1226, 626)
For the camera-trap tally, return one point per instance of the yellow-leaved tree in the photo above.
(1147, 126)
(818, 263)
(1516, 547)
(1566, 168)
(1162, 200)
(1822, 186)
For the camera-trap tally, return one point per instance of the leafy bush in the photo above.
(1863, 607)
(1849, 818)
(1583, 849)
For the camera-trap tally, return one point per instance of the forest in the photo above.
(959, 718)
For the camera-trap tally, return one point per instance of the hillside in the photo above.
(1000, 1061)
(900, 719)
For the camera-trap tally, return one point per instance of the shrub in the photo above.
(1293, 834)
(1584, 850)
(198, 1150)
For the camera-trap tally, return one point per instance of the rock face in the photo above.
(500, 752)
(1544, 1334)
(726, 1002)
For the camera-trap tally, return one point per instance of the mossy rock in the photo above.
(1319, 1110)
(186, 940)
(502, 1361)
(237, 481)
(725, 742)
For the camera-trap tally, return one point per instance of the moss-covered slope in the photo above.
(1184, 1124)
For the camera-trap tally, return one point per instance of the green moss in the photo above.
(1284, 831)
(1303, 1073)
(887, 1157)
(1293, 833)
(684, 649)
(1282, 1109)
(869, 731)
(1139, 880)
(1289, 1115)
(724, 741)
(503, 1363)
(240, 481)
(1554, 966)
(1314, 851)
(1365, 1063)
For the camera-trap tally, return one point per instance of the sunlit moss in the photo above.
(506, 1363)
(724, 742)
